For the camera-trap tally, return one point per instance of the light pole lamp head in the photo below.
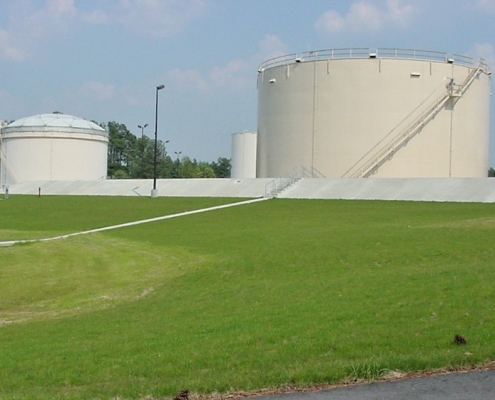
(160, 87)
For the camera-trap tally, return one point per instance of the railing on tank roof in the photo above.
(362, 52)
(7, 131)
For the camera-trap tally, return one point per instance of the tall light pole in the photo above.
(142, 145)
(154, 192)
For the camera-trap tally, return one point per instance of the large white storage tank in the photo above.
(53, 147)
(243, 155)
(373, 113)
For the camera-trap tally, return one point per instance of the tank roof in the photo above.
(54, 122)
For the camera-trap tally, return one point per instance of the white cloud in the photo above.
(486, 5)
(97, 90)
(7, 99)
(398, 14)
(7, 50)
(27, 26)
(239, 73)
(60, 7)
(331, 21)
(160, 18)
(95, 17)
(187, 79)
(270, 47)
(485, 51)
(60, 13)
(365, 17)
(233, 76)
(29, 23)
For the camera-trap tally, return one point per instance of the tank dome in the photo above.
(54, 122)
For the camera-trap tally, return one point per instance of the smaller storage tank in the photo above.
(244, 155)
(53, 147)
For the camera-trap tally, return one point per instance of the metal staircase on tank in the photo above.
(278, 185)
(381, 152)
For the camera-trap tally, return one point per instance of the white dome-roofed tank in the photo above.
(373, 113)
(53, 147)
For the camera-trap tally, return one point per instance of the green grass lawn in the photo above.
(28, 217)
(282, 292)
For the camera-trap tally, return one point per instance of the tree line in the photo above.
(131, 157)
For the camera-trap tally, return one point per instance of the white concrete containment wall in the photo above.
(142, 187)
(244, 155)
(422, 189)
(404, 116)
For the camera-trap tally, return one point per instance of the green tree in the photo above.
(121, 150)
(145, 157)
(491, 173)
(187, 168)
(204, 170)
(164, 164)
(222, 167)
(133, 157)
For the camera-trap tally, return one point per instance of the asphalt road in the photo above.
(473, 385)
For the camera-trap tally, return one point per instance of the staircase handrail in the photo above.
(379, 157)
(276, 186)
(392, 145)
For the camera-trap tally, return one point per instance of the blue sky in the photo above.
(102, 59)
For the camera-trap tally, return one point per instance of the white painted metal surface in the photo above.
(374, 113)
(243, 158)
(53, 147)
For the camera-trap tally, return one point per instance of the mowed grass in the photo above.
(282, 292)
(29, 217)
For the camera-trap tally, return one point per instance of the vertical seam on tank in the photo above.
(451, 127)
(315, 70)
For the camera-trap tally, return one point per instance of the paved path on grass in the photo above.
(472, 385)
(143, 221)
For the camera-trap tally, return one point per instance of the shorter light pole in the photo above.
(142, 145)
(154, 192)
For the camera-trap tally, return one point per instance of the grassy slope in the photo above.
(284, 291)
